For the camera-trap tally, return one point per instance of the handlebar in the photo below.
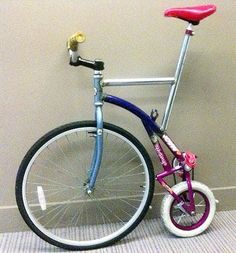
(75, 60)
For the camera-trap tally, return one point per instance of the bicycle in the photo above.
(87, 184)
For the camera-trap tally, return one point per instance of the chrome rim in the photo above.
(54, 188)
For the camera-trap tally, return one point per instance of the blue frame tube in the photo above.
(98, 148)
(150, 125)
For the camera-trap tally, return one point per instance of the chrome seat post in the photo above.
(178, 72)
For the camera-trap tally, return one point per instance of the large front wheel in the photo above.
(51, 186)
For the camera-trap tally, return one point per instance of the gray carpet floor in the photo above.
(150, 236)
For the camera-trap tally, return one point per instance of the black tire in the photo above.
(25, 170)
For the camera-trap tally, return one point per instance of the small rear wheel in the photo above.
(182, 224)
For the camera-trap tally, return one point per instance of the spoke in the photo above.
(118, 206)
(36, 211)
(105, 137)
(62, 151)
(58, 214)
(77, 146)
(63, 202)
(53, 181)
(53, 189)
(68, 207)
(46, 214)
(120, 167)
(59, 168)
(80, 213)
(109, 179)
(125, 154)
(181, 216)
(122, 210)
(199, 204)
(45, 184)
(68, 160)
(118, 190)
(77, 157)
(124, 165)
(99, 207)
(115, 140)
(175, 212)
(121, 184)
(57, 205)
(48, 190)
(88, 147)
(77, 201)
(139, 200)
(129, 204)
(111, 191)
(85, 165)
(48, 195)
(110, 211)
(63, 208)
(54, 193)
(125, 175)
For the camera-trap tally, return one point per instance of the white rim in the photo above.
(167, 201)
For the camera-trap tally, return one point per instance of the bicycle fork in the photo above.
(98, 147)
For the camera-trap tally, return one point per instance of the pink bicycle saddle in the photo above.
(191, 14)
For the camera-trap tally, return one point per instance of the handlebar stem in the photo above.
(76, 60)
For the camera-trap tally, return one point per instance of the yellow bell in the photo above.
(72, 42)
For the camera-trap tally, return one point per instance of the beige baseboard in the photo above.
(11, 221)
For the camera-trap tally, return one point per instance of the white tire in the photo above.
(167, 207)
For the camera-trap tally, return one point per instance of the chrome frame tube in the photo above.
(178, 73)
(139, 81)
(172, 81)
